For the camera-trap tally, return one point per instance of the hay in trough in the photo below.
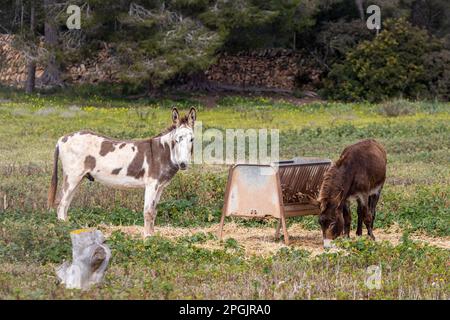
(290, 196)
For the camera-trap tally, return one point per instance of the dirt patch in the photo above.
(394, 235)
(260, 241)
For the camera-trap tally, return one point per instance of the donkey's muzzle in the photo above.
(327, 244)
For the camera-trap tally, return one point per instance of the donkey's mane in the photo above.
(331, 184)
(327, 182)
(183, 120)
(331, 180)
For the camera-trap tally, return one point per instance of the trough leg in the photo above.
(283, 224)
(222, 220)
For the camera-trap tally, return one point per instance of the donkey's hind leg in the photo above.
(70, 184)
(373, 201)
(367, 215)
(360, 218)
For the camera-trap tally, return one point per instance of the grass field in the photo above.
(185, 259)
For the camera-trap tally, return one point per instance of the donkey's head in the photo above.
(331, 203)
(331, 220)
(182, 138)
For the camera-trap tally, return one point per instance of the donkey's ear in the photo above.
(175, 116)
(192, 116)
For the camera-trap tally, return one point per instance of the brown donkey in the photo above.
(149, 163)
(359, 174)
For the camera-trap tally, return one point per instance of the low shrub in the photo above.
(396, 107)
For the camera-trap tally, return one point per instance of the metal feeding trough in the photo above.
(281, 190)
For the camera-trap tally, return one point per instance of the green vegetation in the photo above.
(391, 65)
(32, 241)
(157, 45)
(159, 268)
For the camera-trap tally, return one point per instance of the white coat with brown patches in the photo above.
(148, 163)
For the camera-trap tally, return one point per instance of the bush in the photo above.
(393, 64)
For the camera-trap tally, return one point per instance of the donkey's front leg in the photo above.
(151, 192)
(347, 219)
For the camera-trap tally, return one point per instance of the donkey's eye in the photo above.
(192, 139)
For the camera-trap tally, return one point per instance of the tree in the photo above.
(360, 5)
(431, 15)
(52, 71)
(154, 43)
(252, 24)
(31, 65)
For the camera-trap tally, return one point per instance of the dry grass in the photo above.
(183, 263)
(260, 241)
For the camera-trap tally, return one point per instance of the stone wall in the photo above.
(101, 68)
(265, 69)
(276, 69)
(13, 64)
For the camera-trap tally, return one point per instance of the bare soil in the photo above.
(260, 240)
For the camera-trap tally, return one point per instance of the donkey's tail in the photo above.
(54, 183)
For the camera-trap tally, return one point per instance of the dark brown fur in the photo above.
(89, 163)
(106, 147)
(161, 167)
(156, 156)
(360, 169)
(116, 171)
(135, 167)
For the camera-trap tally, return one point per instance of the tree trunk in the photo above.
(31, 67)
(360, 5)
(198, 82)
(90, 258)
(52, 72)
(31, 77)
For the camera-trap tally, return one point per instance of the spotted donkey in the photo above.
(148, 163)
